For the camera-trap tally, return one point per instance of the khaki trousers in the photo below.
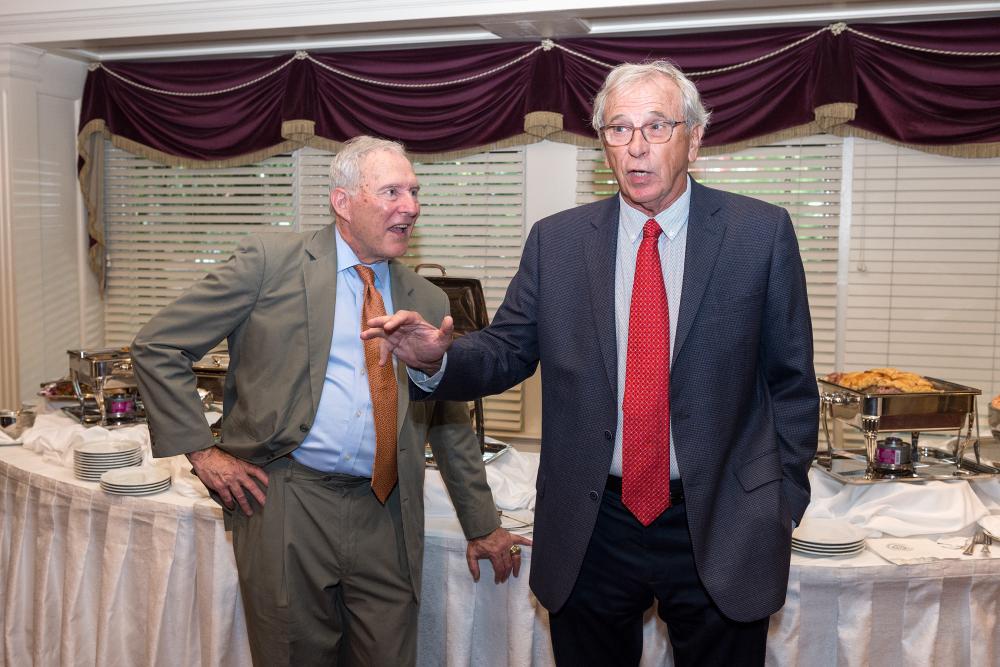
(323, 573)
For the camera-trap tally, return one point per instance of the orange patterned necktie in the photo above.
(382, 384)
(646, 405)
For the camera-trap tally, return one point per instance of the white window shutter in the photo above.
(924, 274)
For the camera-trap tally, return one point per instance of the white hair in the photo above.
(627, 74)
(345, 168)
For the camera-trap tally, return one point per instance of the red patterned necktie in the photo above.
(382, 384)
(646, 405)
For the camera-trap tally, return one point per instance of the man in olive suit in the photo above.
(321, 470)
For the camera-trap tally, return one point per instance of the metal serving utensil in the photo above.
(971, 546)
(987, 541)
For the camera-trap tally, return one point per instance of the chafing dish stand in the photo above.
(950, 408)
(108, 374)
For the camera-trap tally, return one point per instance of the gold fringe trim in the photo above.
(783, 135)
(301, 130)
(90, 189)
(542, 123)
(837, 113)
(577, 140)
(517, 140)
(968, 151)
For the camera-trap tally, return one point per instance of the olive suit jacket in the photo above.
(274, 302)
(743, 397)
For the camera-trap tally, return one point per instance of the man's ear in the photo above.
(340, 203)
(694, 142)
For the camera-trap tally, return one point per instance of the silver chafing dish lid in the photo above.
(213, 363)
(104, 354)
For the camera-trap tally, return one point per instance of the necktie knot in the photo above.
(651, 229)
(366, 273)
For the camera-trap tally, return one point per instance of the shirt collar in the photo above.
(346, 261)
(671, 220)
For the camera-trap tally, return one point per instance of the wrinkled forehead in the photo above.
(384, 167)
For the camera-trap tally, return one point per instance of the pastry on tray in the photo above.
(883, 381)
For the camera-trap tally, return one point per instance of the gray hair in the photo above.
(345, 168)
(630, 73)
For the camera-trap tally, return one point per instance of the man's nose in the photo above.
(410, 205)
(638, 145)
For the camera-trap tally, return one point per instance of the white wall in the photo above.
(55, 305)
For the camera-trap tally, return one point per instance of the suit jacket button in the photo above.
(608, 435)
(304, 428)
(593, 495)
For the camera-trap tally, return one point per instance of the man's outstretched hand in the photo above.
(415, 342)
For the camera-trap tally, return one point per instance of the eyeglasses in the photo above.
(657, 132)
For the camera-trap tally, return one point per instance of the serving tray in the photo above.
(491, 452)
(851, 467)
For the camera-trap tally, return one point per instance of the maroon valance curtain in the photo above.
(931, 86)
(924, 84)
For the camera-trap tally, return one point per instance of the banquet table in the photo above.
(88, 578)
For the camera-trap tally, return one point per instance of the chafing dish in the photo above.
(949, 407)
(106, 376)
(211, 371)
(467, 304)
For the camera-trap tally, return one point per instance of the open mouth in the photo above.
(400, 229)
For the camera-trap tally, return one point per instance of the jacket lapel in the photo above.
(704, 238)
(402, 299)
(320, 277)
(599, 247)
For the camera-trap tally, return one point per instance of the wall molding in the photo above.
(20, 62)
(79, 20)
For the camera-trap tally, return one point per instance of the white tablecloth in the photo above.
(87, 579)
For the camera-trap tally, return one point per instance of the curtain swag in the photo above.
(932, 86)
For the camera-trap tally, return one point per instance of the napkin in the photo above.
(912, 550)
(899, 509)
(512, 480)
(183, 481)
(991, 524)
(6, 439)
(988, 491)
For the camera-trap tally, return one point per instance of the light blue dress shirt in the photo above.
(342, 437)
(672, 243)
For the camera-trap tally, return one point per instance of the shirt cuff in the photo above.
(427, 383)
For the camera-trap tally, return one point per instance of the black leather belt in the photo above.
(676, 489)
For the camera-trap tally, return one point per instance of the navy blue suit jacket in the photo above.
(743, 394)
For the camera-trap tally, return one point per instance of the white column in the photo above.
(549, 180)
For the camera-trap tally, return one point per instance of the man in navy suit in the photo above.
(709, 287)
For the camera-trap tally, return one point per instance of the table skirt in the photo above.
(89, 579)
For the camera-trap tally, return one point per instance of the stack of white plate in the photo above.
(828, 537)
(93, 459)
(135, 481)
